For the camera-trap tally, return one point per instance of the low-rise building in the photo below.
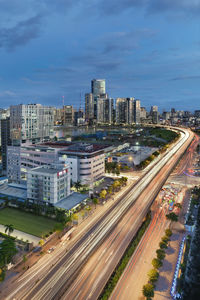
(49, 184)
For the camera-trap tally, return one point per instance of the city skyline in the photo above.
(144, 49)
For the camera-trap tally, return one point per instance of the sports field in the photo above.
(26, 222)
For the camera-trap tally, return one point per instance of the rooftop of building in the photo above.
(85, 147)
(72, 201)
(13, 191)
(46, 170)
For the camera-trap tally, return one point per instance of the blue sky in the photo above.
(148, 49)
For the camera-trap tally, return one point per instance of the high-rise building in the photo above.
(143, 113)
(89, 106)
(136, 113)
(68, 115)
(58, 116)
(154, 108)
(4, 113)
(154, 114)
(5, 141)
(105, 110)
(124, 110)
(98, 87)
(31, 122)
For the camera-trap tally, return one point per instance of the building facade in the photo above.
(86, 162)
(68, 115)
(89, 106)
(136, 112)
(48, 184)
(31, 122)
(124, 110)
(104, 111)
(98, 87)
(5, 142)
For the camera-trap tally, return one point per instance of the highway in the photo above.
(65, 271)
(95, 274)
(135, 275)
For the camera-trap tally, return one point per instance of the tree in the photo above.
(163, 245)
(172, 217)
(103, 194)
(178, 205)
(24, 259)
(60, 216)
(160, 254)
(156, 263)
(9, 228)
(153, 275)
(110, 190)
(7, 251)
(41, 242)
(115, 184)
(168, 232)
(95, 201)
(78, 185)
(148, 290)
(165, 239)
(117, 171)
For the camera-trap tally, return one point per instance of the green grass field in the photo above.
(26, 222)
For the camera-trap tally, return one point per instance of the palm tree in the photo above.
(78, 185)
(9, 228)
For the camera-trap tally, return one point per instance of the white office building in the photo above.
(86, 162)
(48, 184)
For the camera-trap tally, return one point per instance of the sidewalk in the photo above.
(22, 235)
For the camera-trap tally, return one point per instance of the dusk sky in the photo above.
(148, 49)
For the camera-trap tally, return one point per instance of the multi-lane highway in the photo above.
(135, 275)
(64, 273)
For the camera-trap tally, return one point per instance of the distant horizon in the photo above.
(83, 106)
(144, 49)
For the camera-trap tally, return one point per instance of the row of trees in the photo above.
(112, 167)
(38, 208)
(117, 184)
(153, 274)
(170, 136)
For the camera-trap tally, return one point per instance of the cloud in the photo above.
(124, 41)
(193, 77)
(7, 93)
(20, 34)
(175, 6)
(113, 7)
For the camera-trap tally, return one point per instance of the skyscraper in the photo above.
(89, 106)
(124, 110)
(136, 113)
(98, 87)
(5, 141)
(105, 110)
(68, 115)
(31, 122)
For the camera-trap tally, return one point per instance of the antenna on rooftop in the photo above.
(80, 101)
(63, 100)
